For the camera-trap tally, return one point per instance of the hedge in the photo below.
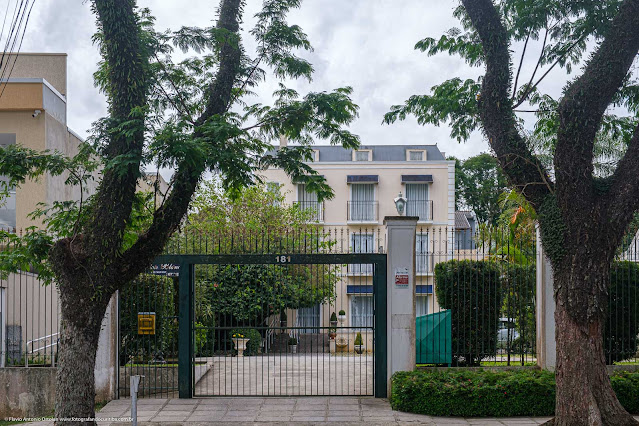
(481, 393)
(472, 291)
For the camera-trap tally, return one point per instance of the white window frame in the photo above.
(424, 298)
(428, 190)
(410, 151)
(301, 189)
(362, 269)
(422, 250)
(369, 151)
(351, 199)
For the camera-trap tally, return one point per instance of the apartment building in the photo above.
(366, 182)
(33, 113)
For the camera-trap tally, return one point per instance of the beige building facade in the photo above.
(365, 183)
(33, 114)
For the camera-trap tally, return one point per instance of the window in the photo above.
(421, 305)
(422, 257)
(414, 155)
(362, 155)
(362, 204)
(274, 188)
(362, 243)
(417, 201)
(362, 311)
(309, 318)
(308, 201)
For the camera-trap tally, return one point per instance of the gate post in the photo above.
(400, 238)
(185, 326)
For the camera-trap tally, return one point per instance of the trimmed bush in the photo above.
(358, 339)
(255, 340)
(472, 291)
(481, 393)
(519, 288)
(622, 325)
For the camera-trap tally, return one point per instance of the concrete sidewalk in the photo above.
(279, 410)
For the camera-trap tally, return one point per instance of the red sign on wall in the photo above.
(401, 277)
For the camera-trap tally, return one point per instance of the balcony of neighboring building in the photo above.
(362, 212)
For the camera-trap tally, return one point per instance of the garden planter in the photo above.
(240, 345)
(341, 318)
(332, 335)
(293, 348)
(359, 349)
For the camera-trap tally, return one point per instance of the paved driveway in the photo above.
(287, 374)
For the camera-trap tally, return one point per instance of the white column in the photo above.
(400, 240)
(546, 346)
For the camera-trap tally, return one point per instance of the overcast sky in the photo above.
(366, 44)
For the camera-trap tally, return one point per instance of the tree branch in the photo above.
(127, 91)
(522, 168)
(623, 199)
(585, 101)
(521, 63)
(168, 217)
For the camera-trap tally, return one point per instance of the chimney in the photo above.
(283, 141)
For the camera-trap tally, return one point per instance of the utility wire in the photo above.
(15, 36)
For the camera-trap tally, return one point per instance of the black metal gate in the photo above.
(240, 333)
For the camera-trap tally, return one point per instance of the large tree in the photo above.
(583, 212)
(195, 116)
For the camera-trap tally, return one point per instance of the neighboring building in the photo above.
(33, 113)
(366, 182)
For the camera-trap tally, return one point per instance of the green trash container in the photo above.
(434, 338)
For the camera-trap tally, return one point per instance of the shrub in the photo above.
(292, 341)
(622, 324)
(333, 317)
(342, 312)
(255, 340)
(471, 290)
(358, 339)
(491, 394)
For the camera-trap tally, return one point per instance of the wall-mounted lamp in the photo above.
(400, 204)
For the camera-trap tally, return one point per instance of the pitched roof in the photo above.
(461, 220)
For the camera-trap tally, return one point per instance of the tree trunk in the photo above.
(75, 386)
(584, 393)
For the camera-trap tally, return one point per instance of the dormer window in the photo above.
(415, 155)
(362, 155)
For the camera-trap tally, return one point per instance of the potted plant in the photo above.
(283, 318)
(359, 346)
(240, 341)
(342, 316)
(332, 331)
(292, 343)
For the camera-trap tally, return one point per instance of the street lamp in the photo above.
(400, 204)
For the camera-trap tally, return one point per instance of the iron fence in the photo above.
(29, 321)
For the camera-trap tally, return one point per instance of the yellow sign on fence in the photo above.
(146, 322)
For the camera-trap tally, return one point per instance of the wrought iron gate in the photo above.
(246, 340)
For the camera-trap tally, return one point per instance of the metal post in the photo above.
(135, 384)
(185, 324)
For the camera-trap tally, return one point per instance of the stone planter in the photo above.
(293, 348)
(341, 318)
(359, 349)
(240, 345)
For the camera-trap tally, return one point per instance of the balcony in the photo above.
(420, 208)
(363, 212)
(315, 207)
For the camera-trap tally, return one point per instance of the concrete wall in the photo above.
(27, 392)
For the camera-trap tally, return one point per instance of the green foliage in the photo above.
(342, 312)
(255, 340)
(519, 287)
(201, 340)
(553, 229)
(622, 325)
(480, 182)
(475, 308)
(358, 339)
(148, 293)
(334, 317)
(292, 341)
(466, 393)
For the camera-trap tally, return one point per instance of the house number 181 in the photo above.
(283, 259)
